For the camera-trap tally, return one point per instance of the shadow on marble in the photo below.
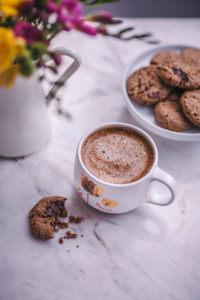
(142, 222)
(125, 117)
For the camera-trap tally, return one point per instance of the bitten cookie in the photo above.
(160, 57)
(145, 87)
(190, 103)
(43, 217)
(169, 116)
(180, 73)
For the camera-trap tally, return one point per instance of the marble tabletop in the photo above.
(150, 253)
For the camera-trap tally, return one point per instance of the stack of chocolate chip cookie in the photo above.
(172, 84)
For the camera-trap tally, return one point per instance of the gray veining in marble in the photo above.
(150, 253)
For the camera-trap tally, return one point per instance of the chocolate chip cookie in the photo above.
(191, 55)
(190, 103)
(145, 87)
(180, 73)
(43, 217)
(169, 116)
(160, 57)
(175, 95)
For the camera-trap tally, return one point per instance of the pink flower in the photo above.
(57, 58)
(26, 7)
(70, 13)
(102, 30)
(87, 29)
(28, 32)
(51, 7)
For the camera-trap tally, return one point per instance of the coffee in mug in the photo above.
(117, 155)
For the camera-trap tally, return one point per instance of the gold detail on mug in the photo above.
(92, 188)
(102, 208)
(79, 190)
(109, 203)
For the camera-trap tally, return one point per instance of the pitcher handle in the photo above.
(71, 69)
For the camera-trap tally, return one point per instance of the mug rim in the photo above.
(116, 124)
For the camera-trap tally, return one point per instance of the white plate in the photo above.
(145, 114)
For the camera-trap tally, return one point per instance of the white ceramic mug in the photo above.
(120, 198)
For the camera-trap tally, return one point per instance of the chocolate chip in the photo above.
(181, 75)
(59, 203)
(153, 94)
(54, 208)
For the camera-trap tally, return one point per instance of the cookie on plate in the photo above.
(190, 103)
(169, 116)
(180, 73)
(43, 217)
(175, 95)
(191, 55)
(160, 57)
(145, 87)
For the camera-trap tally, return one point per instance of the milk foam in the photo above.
(117, 155)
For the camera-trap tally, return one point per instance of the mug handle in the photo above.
(71, 69)
(169, 181)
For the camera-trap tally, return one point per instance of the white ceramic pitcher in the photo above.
(24, 119)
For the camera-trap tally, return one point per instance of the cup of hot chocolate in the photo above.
(114, 167)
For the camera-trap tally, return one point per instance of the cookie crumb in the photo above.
(77, 246)
(77, 220)
(62, 224)
(70, 235)
(61, 240)
(82, 235)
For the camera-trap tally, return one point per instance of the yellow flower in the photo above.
(20, 45)
(10, 7)
(10, 47)
(7, 77)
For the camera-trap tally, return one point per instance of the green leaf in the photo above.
(38, 49)
(25, 62)
(97, 2)
(7, 22)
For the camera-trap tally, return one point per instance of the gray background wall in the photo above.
(152, 8)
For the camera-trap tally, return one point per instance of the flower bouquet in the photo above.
(27, 28)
